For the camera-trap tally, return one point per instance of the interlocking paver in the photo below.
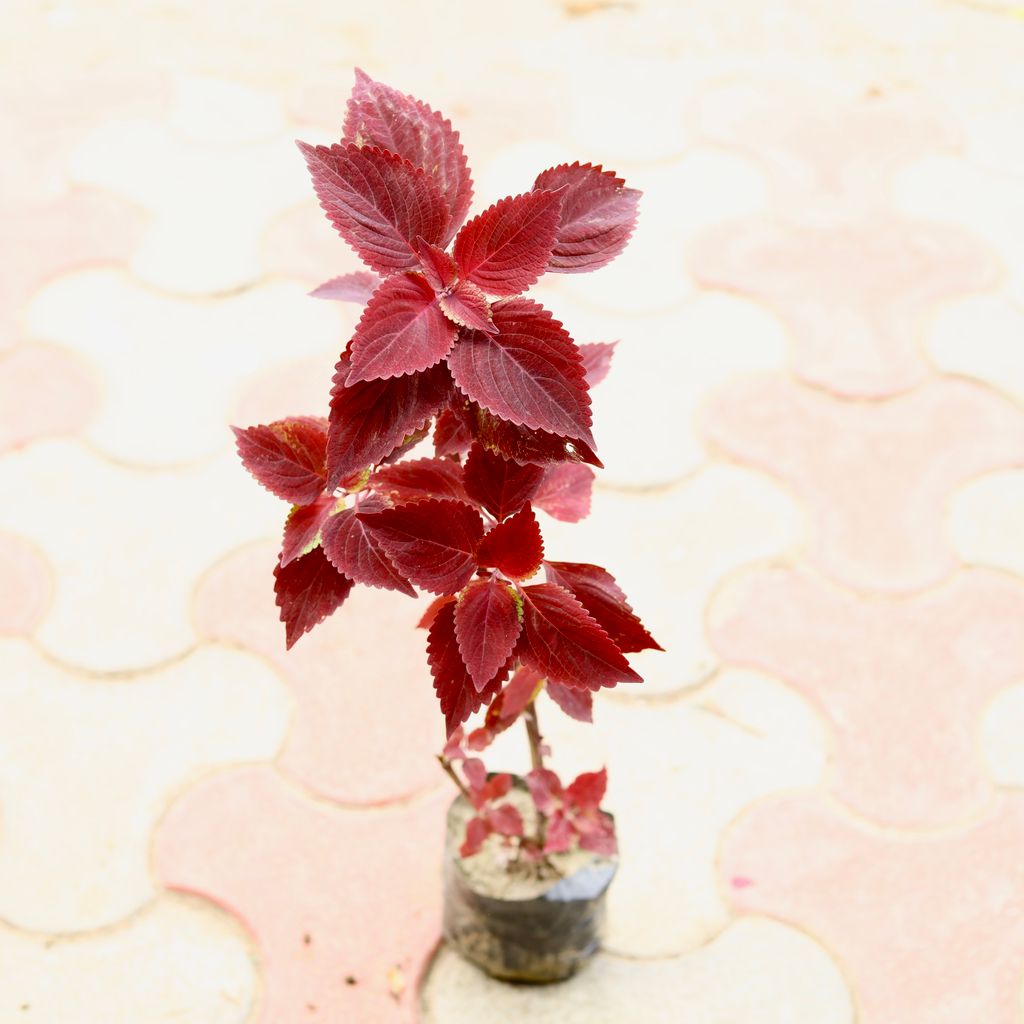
(984, 520)
(26, 585)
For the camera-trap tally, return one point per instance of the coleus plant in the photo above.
(448, 346)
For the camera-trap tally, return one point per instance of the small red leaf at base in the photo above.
(307, 591)
(477, 831)
(514, 547)
(487, 626)
(287, 457)
(587, 791)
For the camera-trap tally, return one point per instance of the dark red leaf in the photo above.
(354, 550)
(378, 202)
(427, 618)
(458, 696)
(288, 457)
(355, 287)
(307, 591)
(453, 434)
(419, 479)
(578, 704)
(505, 820)
(370, 419)
(506, 248)
(477, 831)
(402, 330)
(595, 588)
(565, 492)
(437, 266)
(530, 373)
(587, 790)
(597, 833)
(545, 788)
(378, 115)
(597, 217)
(507, 707)
(515, 547)
(432, 543)
(487, 625)
(496, 787)
(467, 306)
(521, 444)
(566, 644)
(560, 835)
(406, 445)
(501, 486)
(597, 360)
(302, 527)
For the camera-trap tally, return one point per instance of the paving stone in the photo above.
(366, 724)
(157, 356)
(177, 960)
(784, 977)
(984, 521)
(669, 550)
(223, 112)
(901, 683)
(26, 585)
(126, 546)
(855, 297)
(301, 243)
(44, 391)
(874, 477)
(1000, 736)
(927, 927)
(278, 392)
(830, 153)
(54, 236)
(995, 139)
(208, 207)
(89, 766)
(327, 894)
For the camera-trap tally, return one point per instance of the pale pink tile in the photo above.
(44, 391)
(829, 155)
(26, 585)
(344, 905)
(902, 683)
(874, 477)
(52, 236)
(366, 725)
(926, 927)
(855, 297)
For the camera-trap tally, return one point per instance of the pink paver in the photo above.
(855, 297)
(343, 905)
(366, 725)
(25, 586)
(44, 391)
(55, 236)
(301, 243)
(829, 157)
(902, 682)
(874, 477)
(927, 928)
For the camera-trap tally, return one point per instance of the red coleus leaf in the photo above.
(432, 543)
(560, 836)
(453, 433)
(436, 265)
(496, 787)
(353, 549)
(487, 626)
(505, 820)
(506, 248)
(379, 202)
(597, 833)
(419, 479)
(545, 789)
(597, 217)
(565, 643)
(452, 683)
(501, 486)
(427, 618)
(307, 590)
(477, 831)
(595, 588)
(515, 547)
(530, 373)
(302, 527)
(355, 287)
(467, 306)
(521, 444)
(587, 790)
(402, 330)
(565, 492)
(378, 115)
(524, 685)
(369, 420)
(578, 704)
(597, 360)
(288, 457)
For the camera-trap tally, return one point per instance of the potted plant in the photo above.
(449, 354)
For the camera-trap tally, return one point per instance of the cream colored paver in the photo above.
(210, 203)
(173, 368)
(1001, 730)
(757, 972)
(678, 774)
(222, 112)
(88, 767)
(178, 962)
(985, 521)
(669, 549)
(127, 546)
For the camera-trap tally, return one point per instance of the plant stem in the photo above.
(533, 732)
(450, 772)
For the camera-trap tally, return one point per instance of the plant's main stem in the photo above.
(533, 732)
(450, 772)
